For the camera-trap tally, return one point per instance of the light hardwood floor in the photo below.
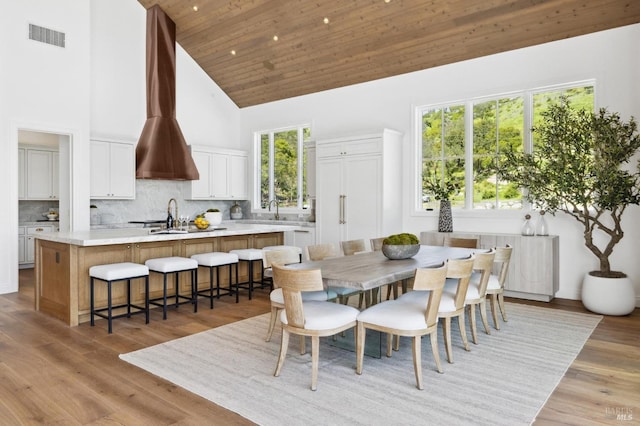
(51, 373)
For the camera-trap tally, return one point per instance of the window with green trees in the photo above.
(463, 144)
(283, 166)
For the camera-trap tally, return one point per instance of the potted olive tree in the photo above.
(582, 167)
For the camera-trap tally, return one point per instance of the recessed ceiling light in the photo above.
(233, 52)
(325, 20)
(387, 1)
(195, 8)
(275, 38)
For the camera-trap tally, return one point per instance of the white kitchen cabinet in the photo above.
(533, 271)
(22, 165)
(223, 174)
(113, 170)
(302, 238)
(358, 187)
(22, 253)
(41, 175)
(26, 241)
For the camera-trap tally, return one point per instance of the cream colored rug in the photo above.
(504, 380)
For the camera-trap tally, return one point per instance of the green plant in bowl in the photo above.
(400, 246)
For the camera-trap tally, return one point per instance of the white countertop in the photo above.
(102, 237)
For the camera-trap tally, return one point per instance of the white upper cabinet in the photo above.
(40, 174)
(223, 174)
(113, 170)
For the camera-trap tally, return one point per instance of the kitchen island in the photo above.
(63, 259)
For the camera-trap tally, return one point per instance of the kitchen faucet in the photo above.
(171, 219)
(275, 200)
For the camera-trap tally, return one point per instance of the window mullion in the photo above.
(272, 148)
(468, 154)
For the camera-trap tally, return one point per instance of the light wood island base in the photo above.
(62, 270)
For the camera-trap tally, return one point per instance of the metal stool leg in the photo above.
(146, 299)
(109, 311)
(92, 303)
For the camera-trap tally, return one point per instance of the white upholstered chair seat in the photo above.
(324, 315)
(472, 291)
(393, 314)
(418, 298)
(494, 283)
(318, 296)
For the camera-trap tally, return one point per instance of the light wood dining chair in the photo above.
(461, 242)
(285, 256)
(324, 251)
(495, 286)
(321, 251)
(451, 303)
(376, 243)
(476, 291)
(395, 319)
(352, 247)
(313, 318)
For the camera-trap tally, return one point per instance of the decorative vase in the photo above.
(445, 220)
(527, 228)
(541, 226)
(236, 211)
(399, 251)
(608, 296)
(214, 218)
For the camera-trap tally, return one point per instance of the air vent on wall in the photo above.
(46, 35)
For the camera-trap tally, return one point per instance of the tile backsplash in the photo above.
(152, 199)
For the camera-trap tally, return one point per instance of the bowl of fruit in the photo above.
(201, 222)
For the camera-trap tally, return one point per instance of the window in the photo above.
(498, 125)
(462, 144)
(282, 161)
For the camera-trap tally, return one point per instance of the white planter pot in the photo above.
(608, 296)
(214, 218)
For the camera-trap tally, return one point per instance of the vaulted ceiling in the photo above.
(325, 44)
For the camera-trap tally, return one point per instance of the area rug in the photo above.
(504, 380)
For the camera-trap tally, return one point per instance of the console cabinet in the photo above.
(534, 269)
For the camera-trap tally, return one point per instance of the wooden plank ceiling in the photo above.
(365, 39)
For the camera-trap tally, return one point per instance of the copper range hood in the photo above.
(162, 152)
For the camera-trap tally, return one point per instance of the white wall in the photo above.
(42, 87)
(94, 86)
(204, 112)
(611, 57)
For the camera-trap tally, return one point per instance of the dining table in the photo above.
(371, 270)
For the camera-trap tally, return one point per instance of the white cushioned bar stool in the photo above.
(174, 265)
(216, 260)
(251, 256)
(114, 272)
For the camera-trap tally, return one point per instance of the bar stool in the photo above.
(250, 256)
(168, 265)
(114, 272)
(216, 260)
